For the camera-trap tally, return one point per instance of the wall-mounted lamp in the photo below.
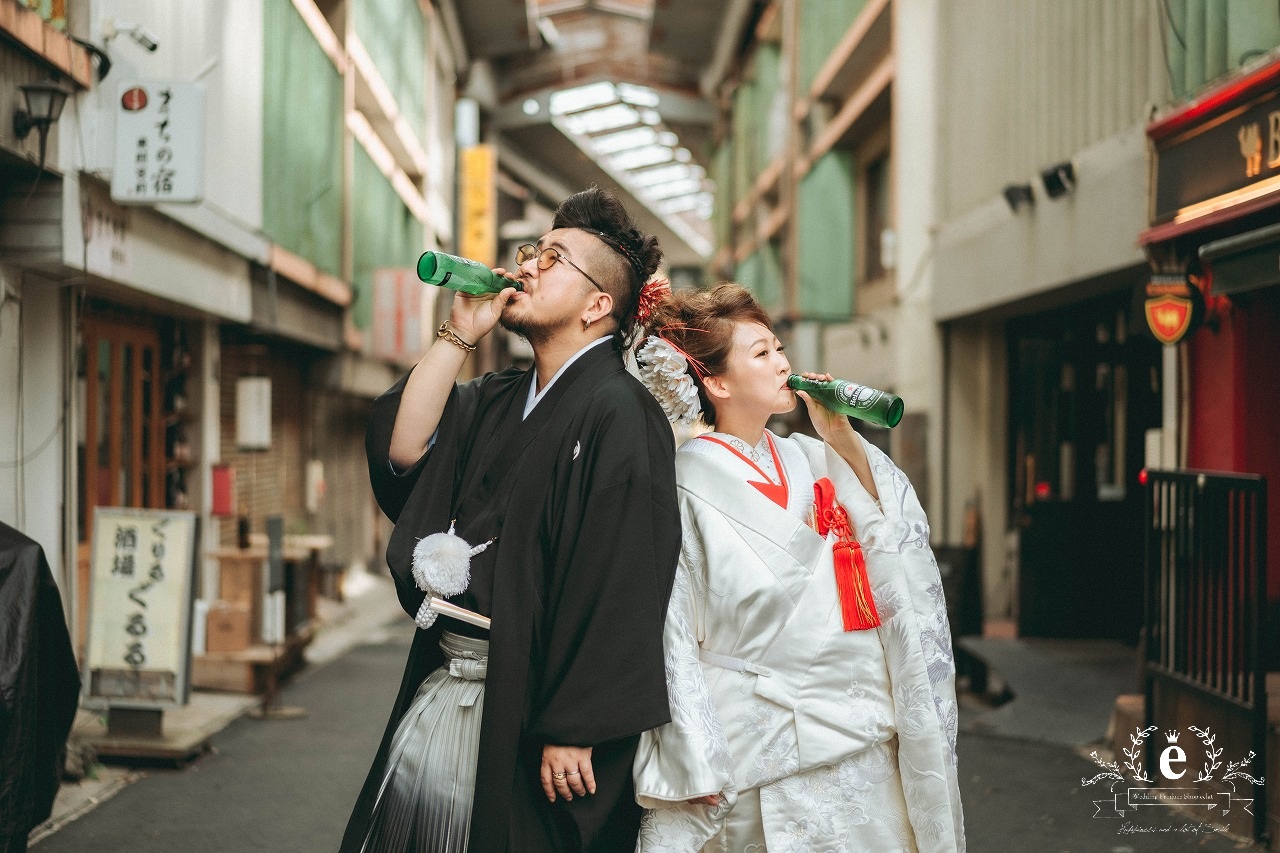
(1058, 179)
(1018, 195)
(44, 104)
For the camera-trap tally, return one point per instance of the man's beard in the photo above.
(535, 332)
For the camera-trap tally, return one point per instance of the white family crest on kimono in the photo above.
(833, 739)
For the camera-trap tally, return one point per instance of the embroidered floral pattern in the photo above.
(900, 795)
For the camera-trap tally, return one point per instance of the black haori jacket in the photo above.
(39, 687)
(582, 497)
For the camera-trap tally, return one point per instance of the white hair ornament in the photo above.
(664, 370)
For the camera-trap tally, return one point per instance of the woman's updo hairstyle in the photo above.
(701, 324)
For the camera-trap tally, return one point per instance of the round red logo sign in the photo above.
(134, 99)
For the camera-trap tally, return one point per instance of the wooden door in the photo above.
(121, 452)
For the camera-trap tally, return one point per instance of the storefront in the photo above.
(1213, 299)
(1215, 208)
(1084, 389)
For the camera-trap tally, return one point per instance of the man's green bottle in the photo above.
(850, 398)
(461, 274)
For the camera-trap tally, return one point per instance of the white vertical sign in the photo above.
(159, 142)
(140, 601)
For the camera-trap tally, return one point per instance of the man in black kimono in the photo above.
(570, 465)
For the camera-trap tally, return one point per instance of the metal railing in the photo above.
(1206, 594)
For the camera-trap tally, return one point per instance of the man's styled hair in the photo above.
(634, 256)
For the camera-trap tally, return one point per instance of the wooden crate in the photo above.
(229, 627)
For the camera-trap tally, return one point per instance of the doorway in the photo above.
(1084, 390)
(121, 452)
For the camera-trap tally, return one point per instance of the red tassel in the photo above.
(857, 607)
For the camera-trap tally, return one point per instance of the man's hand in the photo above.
(566, 770)
(473, 317)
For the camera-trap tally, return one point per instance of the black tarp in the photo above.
(39, 688)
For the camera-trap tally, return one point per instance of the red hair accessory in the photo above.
(651, 295)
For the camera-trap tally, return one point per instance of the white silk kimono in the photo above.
(815, 738)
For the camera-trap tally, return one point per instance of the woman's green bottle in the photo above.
(850, 398)
(461, 274)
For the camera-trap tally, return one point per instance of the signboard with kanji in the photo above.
(159, 142)
(398, 315)
(141, 593)
(478, 204)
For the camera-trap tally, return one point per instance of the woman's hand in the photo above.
(473, 317)
(566, 770)
(836, 431)
(708, 800)
(834, 428)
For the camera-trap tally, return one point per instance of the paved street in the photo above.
(277, 785)
(287, 785)
(1025, 796)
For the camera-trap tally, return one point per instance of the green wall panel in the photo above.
(301, 141)
(744, 163)
(822, 24)
(395, 35)
(761, 273)
(386, 234)
(825, 222)
(1210, 38)
(768, 87)
(722, 209)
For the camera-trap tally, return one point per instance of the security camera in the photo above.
(145, 39)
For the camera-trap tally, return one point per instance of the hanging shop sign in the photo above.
(141, 595)
(397, 315)
(1174, 307)
(159, 142)
(478, 203)
(1220, 151)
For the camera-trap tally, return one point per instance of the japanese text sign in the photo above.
(159, 143)
(140, 602)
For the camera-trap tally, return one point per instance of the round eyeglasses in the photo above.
(547, 258)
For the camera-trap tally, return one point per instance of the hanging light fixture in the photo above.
(44, 102)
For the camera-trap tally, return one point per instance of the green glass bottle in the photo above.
(850, 398)
(461, 274)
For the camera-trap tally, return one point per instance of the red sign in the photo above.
(1173, 307)
(134, 99)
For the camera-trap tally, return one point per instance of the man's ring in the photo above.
(558, 776)
(572, 773)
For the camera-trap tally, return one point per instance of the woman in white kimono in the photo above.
(808, 655)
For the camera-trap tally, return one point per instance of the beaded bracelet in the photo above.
(452, 337)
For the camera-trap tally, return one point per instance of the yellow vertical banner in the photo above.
(478, 203)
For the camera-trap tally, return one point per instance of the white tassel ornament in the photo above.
(442, 568)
